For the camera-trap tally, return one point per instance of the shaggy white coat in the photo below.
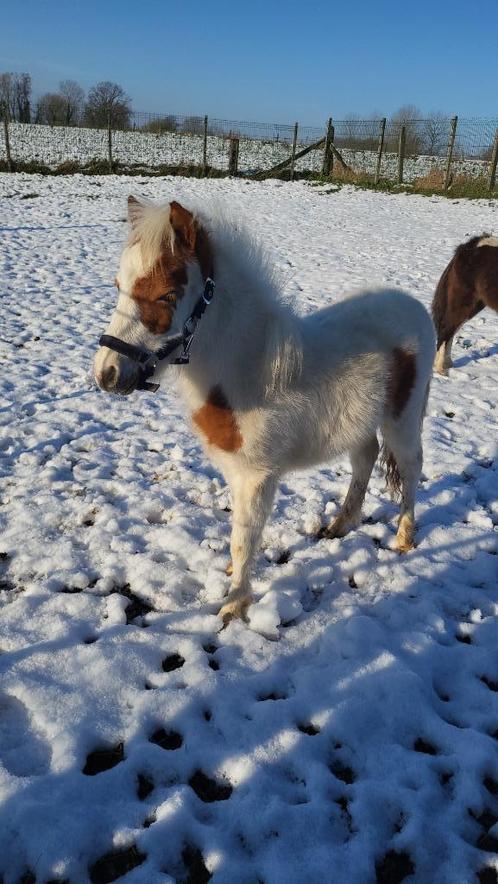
(303, 389)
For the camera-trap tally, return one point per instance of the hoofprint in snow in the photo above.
(137, 738)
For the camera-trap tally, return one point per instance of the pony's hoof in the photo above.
(236, 610)
(336, 529)
(404, 546)
(229, 569)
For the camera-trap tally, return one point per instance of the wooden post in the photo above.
(293, 155)
(382, 132)
(327, 153)
(109, 142)
(401, 153)
(10, 166)
(451, 144)
(494, 162)
(205, 147)
(233, 156)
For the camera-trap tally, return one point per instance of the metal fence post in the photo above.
(401, 153)
(109, 142)
(205, 147)
(293, 155)
(10, 166)
(494, 162)
(451, 144)
(327, 153)
(382, 132)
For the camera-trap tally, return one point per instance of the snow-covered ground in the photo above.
(357, 739)
(54, 145)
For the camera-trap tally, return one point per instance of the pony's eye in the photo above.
(169, 297)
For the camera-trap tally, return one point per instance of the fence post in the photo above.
(494, 162)
(10, 166)
(205, 147)
(451, 144)
(293, 155)
(109, 142)
(233, 156)
(401, 153)
(382, 132)
(327, 153)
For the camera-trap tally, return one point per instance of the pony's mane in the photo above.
(235, 246)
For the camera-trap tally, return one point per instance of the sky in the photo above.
(266, 61)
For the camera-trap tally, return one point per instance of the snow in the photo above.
(353, 722)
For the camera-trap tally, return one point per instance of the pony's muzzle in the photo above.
(115, 373)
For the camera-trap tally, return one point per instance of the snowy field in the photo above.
(54, 145)
(356, 740)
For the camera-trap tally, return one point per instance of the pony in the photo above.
(468, 284)
(268, 390)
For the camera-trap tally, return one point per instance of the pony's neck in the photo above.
(248, 340)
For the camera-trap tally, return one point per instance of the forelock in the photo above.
(151, 232)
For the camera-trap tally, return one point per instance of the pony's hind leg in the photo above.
(362, 463)
(252, 495)
(403, 459)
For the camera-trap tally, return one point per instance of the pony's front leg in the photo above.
(252, 495)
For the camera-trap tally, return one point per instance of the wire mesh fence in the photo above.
(189, 144)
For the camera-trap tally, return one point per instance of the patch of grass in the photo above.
(431, 184)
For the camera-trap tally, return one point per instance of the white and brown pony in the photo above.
(468, 284)
(267, 390)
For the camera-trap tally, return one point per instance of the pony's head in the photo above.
(162, 270)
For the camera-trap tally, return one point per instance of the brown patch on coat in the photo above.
(216, 421)
(402, 375)
(468, 284)
(167, 277)
(169, 274)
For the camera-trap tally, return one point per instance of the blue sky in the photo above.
(268, 61)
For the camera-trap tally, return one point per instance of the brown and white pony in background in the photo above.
(268, 390)
(469, 283)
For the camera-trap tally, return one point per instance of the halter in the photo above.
(148, 360)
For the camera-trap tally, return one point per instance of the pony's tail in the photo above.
(391, 470)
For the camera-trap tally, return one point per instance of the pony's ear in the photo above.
(135, 210)
(183, 224)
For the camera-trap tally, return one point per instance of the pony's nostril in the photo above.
(109, 377)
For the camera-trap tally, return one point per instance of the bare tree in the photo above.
(193, 126)
(435, 132)
(107, 103)
(15, 96)
(51, 109)
(23, 98)
(161, 124)
(74, 98)
(408, 115)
